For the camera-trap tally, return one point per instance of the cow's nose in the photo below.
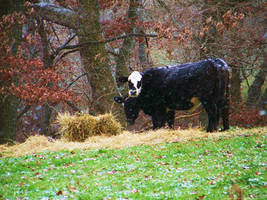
(132, 92)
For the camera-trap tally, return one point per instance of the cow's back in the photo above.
(192, 80)
(174, 85)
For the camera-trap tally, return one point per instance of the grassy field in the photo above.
(162, 165)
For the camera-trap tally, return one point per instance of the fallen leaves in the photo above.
(236, 191)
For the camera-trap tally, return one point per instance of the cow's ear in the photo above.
(123, 79)
(118, 99)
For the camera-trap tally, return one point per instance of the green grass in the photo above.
(207, 169)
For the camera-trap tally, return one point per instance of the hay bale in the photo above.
(79, 127)
(107, 125)
(76, 127)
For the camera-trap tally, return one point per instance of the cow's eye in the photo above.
(138, 84)
(130, 85)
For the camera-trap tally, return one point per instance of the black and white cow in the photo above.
(161, 90)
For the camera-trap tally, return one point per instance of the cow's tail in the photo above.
(223, 100)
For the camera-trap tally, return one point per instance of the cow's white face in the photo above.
(134, 83)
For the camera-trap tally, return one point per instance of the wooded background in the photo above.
(65, 55)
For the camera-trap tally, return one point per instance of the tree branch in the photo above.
(108, 40)
(55, 54)
(71, 19)
(70, 104)
(75, 80)
(64, 54)
(56, 14)
(26, 109)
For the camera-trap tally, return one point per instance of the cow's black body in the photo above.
(172, 88)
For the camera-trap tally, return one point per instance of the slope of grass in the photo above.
(226, 167)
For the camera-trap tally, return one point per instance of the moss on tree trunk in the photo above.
(95, 60)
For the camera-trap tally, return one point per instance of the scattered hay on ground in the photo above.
(37, 144)
(33, 144)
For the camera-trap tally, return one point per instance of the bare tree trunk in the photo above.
(143, 42)
(235, 85)
(94, 59)
(263, 101)
(46, 112)
(142, 54)
(8, 118)
(9, 104)
(128, 44)
(254, 91)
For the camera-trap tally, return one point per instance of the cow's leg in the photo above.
(223, 108)
(225, 114)
(157, 122)
(211, 109)
(159, 118)
(216, 116)
(224, 98)
(217, 119)
(170, 118)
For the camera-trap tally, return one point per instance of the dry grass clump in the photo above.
(79, 127)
